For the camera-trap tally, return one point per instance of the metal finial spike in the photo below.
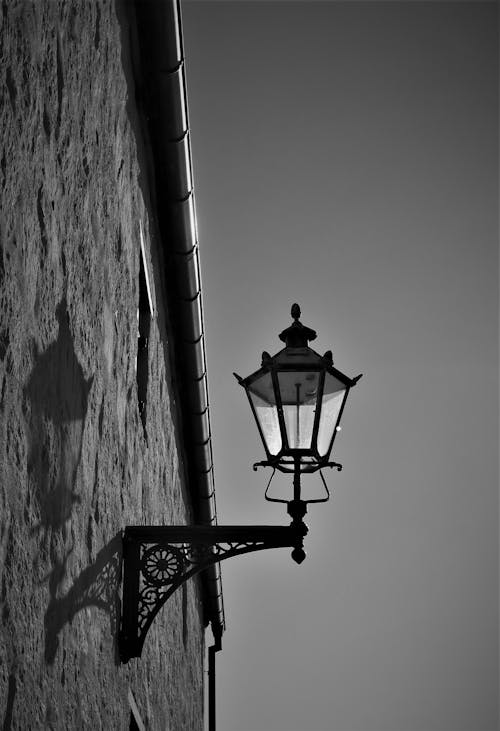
(295, 311)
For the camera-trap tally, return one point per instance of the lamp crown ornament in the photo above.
(297, 335)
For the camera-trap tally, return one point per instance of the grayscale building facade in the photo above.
(103, 392)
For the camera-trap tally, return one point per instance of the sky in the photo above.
(345, 157)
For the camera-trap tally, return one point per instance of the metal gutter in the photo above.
(162, 88)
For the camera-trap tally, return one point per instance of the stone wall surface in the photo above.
(75, 464)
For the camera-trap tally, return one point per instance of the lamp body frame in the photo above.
(286, 459)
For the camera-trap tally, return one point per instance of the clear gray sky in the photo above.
(345, 157)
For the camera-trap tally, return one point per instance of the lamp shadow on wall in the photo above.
(57, 393)
(56, 399)
(97, 586)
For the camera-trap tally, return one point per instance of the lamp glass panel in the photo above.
(333, 396)
(261, 393)
(299, 394)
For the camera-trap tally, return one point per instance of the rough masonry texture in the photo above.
(76, 464)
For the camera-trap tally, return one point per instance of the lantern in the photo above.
(297, 398)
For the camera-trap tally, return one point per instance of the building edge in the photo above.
(158, 68)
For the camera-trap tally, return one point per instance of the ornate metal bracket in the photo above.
(157, 560)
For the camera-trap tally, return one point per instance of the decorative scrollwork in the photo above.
(148, 599)
(200, 553)
(164, 567)
(161, 564)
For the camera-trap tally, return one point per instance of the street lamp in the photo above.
(297, 398)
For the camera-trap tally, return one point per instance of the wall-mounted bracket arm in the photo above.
(157, 560)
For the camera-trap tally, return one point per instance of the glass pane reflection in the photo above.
(262, 395)
(333, 397)
(299, 392)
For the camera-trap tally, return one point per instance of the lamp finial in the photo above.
(297, 335)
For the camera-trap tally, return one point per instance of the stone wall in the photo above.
(75, 463)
